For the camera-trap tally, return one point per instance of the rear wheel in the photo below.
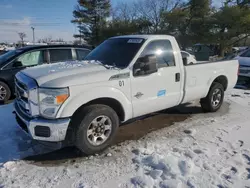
(214, 98)
(97, 125)
(5, 92)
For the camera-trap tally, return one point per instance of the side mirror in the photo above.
(185, 61)
(17, 64)
(145, 65)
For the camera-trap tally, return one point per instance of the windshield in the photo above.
(116, 52)
(8, 55)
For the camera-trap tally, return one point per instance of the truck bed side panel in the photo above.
(199, 77)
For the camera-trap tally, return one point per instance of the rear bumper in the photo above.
(42, 129)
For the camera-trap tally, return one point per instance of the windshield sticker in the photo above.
(161, 93)
(136, 41)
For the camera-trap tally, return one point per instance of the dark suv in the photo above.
(16, 60)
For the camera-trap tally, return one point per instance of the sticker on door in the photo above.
(161, 93)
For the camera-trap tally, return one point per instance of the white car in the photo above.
(244, 62)
(190, 58)
(125, 77)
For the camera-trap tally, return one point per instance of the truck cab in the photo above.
(125, 77)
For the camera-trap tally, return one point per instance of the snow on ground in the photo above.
(207, 150)
(14, 144)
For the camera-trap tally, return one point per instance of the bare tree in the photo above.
(151, 10)
(125, 11)
(45, 40)
(59, 40)
(22, 35)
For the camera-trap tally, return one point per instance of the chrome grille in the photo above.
(22, 97)
(27, 95)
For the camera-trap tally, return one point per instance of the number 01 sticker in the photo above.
(121, 83)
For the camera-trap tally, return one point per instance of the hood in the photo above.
(243, 61)
(70, 73)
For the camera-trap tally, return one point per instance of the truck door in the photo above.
(159, 90)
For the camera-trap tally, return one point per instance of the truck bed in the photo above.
(198, 77)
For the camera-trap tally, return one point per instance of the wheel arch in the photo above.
(222, 79)
(109, 96)
(111, 102)
(4, 81)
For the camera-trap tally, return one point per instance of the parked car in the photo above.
(244, 61)
(190, 58)
(244, 69)
(123, 78)
(16, 60)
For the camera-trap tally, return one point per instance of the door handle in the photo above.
(177, 77)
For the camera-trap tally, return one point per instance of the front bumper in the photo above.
(42, 129)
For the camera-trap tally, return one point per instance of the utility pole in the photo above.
(33, 29)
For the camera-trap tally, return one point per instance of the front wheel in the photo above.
(5, 92)
(96, 130)
(214, 98)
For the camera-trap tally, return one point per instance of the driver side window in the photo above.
(30, 59)
(163, 51)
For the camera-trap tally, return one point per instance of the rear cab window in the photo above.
(57, 55)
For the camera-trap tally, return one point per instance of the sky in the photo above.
(50, 18)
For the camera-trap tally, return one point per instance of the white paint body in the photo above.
(87, 82)
(91, 81)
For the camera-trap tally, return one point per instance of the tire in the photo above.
(208, 104)
(84, 124)
(5, 92)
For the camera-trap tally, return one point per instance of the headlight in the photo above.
(33, 102)
(50, 100)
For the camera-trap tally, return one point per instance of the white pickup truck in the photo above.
(83, 103)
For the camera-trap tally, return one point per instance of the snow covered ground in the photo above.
(207, 150)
